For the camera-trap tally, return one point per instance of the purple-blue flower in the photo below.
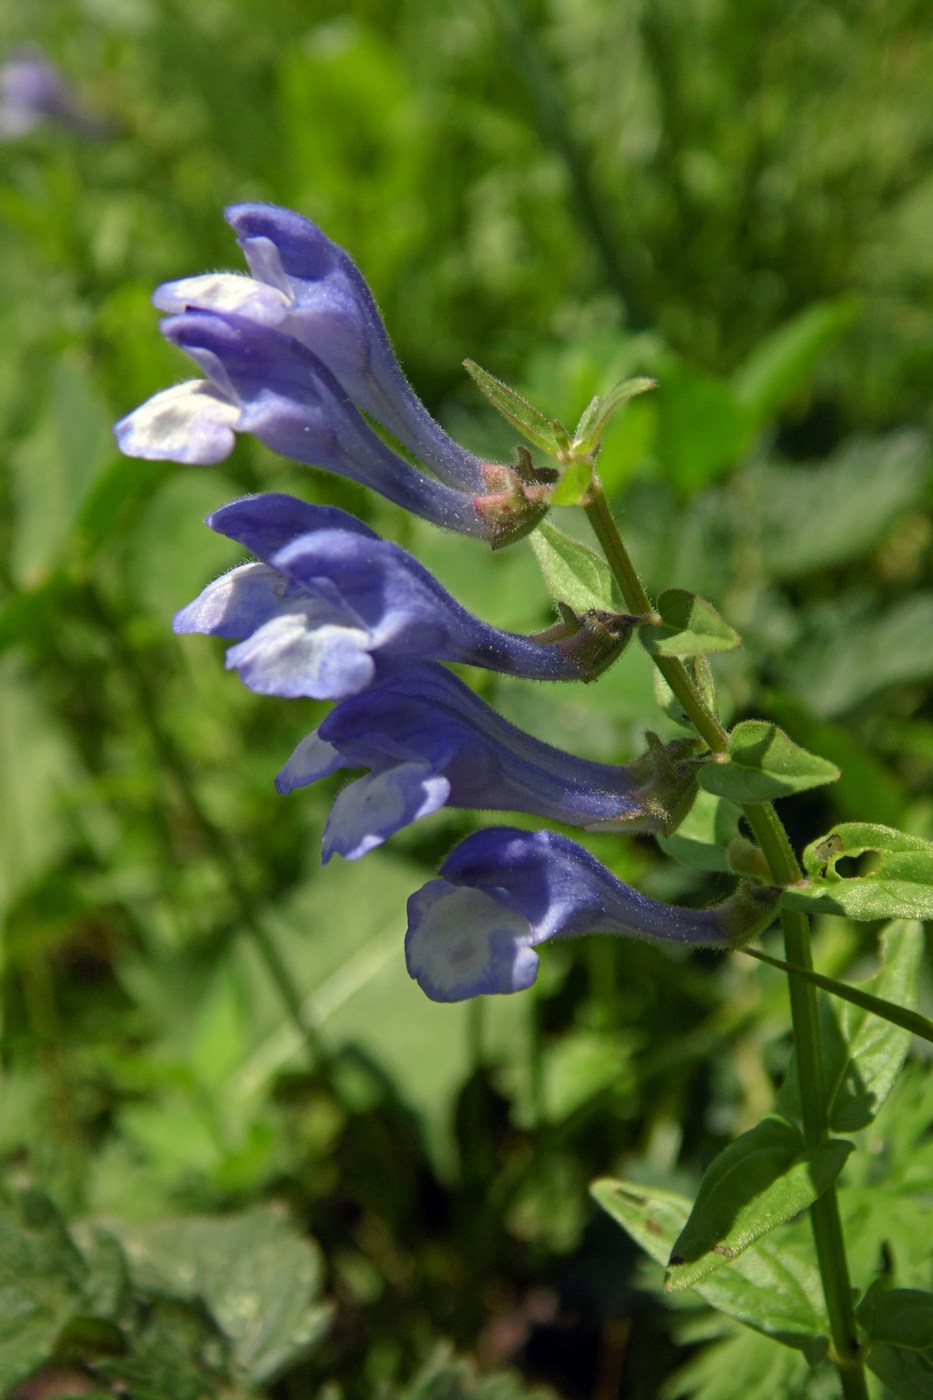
(264, 382)
(502, 892)
(33, 91)
(307, 286)
(430, 742)
(332, 606)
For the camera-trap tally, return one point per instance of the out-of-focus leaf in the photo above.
(763, 1178)
(771, 1286)
(782, 364)
(703, 428)
(53, 470)
(41, 1276)
(764, 764)
(899, 1323)
(259, 1277)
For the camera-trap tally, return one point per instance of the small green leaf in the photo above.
(764, 764)
(899, 886)
(770, 1286)
(701, 839)
(781, 365)
(899, 1323)
(543, 432)
(592, 426)
(763, 1178)
(689, 625)
(574, 573)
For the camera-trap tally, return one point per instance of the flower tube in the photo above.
(332, 606)
(502, 892)
(430, 742)
(307, 286)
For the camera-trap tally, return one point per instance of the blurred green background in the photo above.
(736, 198)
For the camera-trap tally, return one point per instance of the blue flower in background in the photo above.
(502, 892)
(332, 606)
(307, 286)
(33, 92)
(430, 742)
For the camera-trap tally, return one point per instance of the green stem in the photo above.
(785, 870)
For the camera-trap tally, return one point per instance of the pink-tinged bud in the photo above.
(513, 503)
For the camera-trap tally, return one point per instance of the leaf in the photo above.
(764, 764)
(899, 886)
(258, 1276)
(769, 1287)
(574, 573)
(689, 625)
(899, 1323)
(911, 1021)
(760, 1180)
(574, 484)
(781, 365)
(529, 421)
(701, 839)
(41, 1276)
(703, 428)
(592, 426)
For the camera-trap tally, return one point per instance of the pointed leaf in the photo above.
(899, 886)
(764, 764)
(899, 1323)
(592, 426)
(574, 573)
(781, 365)
(770, 1287)
(763, 1178)
(689, 625)
(529, 421)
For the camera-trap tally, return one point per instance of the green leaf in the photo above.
(863, 1047)
(782, 364)
(41, 1276)
(592, 426)
(689, 625)
(909, 1020)
(703, 428)
(770, 1287)
(899, 1323)
(899, 886)
(574, 573)
(543, 432)
(760, 1180)
(258, 1276)
(764, 764)
(701, 839)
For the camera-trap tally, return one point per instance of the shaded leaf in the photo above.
(702, 838)
(771, 1286)
(899, 1323)
(763, 1178)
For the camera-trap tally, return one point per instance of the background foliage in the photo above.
(735, 198)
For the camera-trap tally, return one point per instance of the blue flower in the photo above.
(430, 742)
(264, 382)
(332, 606)
(32, 92)
(307, 286)
(502, 892)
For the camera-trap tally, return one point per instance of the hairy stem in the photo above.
(785, 870)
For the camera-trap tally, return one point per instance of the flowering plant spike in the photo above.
(296, 354)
